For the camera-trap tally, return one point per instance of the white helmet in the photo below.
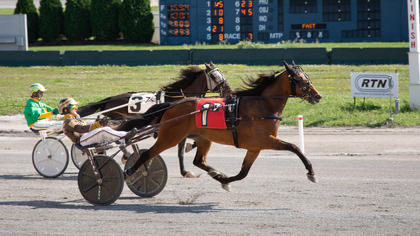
(64, 103)
(35, 88)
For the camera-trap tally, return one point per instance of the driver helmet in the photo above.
(64, 103)
(35, 88)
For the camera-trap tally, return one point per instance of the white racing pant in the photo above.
(100, 134)
(46, 124)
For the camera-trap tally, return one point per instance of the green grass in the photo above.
(6, 11)
(90, 84)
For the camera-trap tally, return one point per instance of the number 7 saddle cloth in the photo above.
(215, 112)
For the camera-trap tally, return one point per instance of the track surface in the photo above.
(368, 185)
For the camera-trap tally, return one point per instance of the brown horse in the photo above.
(193, 82)
(259, 111)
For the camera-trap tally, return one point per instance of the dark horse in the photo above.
(193, 82)
(259, 111)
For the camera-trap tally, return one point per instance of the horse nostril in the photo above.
(318, 96)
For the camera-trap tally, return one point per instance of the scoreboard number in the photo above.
(178, 19)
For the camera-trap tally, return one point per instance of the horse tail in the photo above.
(91, 108)
(152, 115)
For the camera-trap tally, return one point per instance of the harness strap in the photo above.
(292, 87)
(261, 117)
(235, 136)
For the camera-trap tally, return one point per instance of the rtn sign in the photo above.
(374, 85)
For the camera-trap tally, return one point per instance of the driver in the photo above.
(37, 112)
(86, 134)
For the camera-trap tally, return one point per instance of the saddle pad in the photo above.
(213, 118)
(141, 102)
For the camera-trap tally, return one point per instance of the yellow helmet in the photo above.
(65, 102)
(35, 88)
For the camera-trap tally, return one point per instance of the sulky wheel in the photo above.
(53, 165)
(150, 180)
(108, 189)
(77, 156)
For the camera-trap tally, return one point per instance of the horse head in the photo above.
(216, 81)
(301, 85)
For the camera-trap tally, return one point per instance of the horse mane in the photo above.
(254, 87)
(187, 76)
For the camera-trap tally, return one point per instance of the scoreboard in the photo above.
(272, 21)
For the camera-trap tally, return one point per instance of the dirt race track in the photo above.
(368, 185)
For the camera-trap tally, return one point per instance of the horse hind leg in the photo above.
(185, 173)
(246, 166)
(203, 146)
(200, 160)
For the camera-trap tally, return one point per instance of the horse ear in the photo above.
(293, 63)
(207, 65)
(211, 64)
(288, 68)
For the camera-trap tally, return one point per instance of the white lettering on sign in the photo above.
(262, 18)
(276, 35)
(261, 27)
(263, 2)
(374, 85)
(320, 34)
(232, 36)
(263, 10)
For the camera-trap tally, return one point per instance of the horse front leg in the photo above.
(200, 160)
(277, 144)
(308, 165)
(185, 173)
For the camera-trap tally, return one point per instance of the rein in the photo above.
(151, 128)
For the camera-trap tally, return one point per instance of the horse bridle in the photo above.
(214, 78)
(296, 80)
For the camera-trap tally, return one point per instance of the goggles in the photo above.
(73, 107)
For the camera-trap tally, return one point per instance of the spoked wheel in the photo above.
(78, 157)
(150, 179)
(109, 190)
(53, 165)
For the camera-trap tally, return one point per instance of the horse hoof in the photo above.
(190, 174)
(226, 187)
(311, 177)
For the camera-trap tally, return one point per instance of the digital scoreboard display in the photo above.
(178, 19)
(273, 21)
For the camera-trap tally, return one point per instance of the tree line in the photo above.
(131, 20)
